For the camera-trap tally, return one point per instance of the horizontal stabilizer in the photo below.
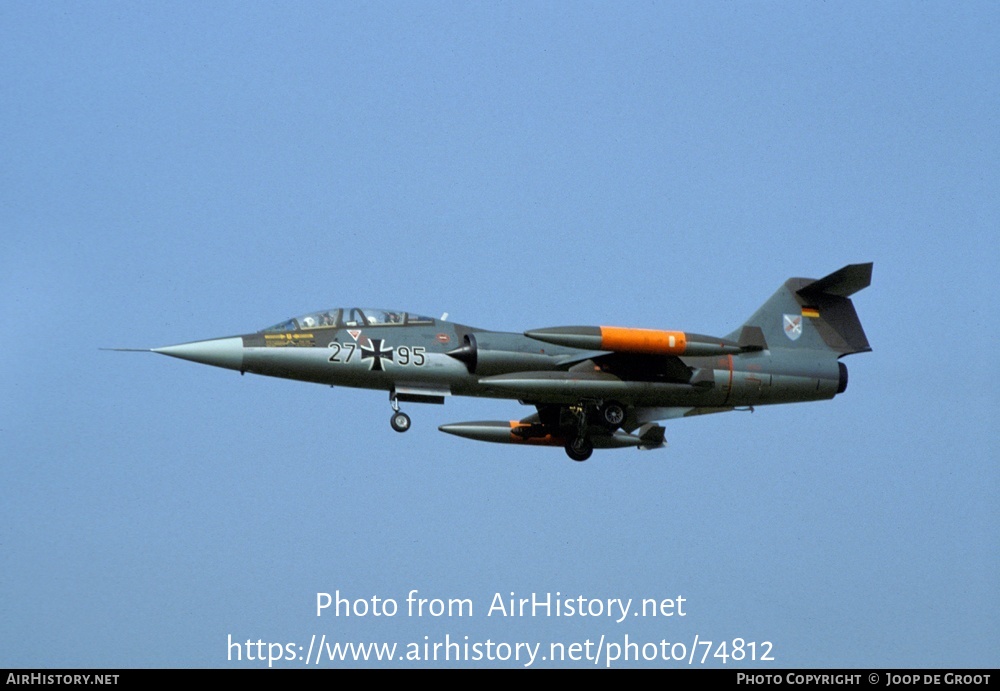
(844, 282)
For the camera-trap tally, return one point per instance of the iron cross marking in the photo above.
(375, 353)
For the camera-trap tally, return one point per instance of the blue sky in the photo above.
(178, 171)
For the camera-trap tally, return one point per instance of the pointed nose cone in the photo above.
(218, 352)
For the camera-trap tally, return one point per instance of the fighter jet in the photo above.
(593, 387)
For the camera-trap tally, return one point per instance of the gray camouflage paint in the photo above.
(788, 351)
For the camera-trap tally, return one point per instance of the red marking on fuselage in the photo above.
(729, 392)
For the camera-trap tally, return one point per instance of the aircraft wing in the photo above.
(642, 367)
(569, 387)
(642, 355)
(630, 366)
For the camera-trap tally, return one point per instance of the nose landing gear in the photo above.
(399, 421)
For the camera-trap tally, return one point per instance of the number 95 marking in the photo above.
(411, 356)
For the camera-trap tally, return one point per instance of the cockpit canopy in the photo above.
(350, 317)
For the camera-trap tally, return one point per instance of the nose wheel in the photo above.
(399, 421)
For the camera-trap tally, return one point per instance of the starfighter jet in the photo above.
(593, 387)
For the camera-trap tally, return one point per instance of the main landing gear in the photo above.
(399, 421)
(579, 448)
(608, 414)
(613, 414)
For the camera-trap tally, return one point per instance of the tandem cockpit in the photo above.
(349, 317)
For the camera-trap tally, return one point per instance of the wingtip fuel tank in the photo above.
(639, 341)
(515, 432)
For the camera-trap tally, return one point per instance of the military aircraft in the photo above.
(594, 387)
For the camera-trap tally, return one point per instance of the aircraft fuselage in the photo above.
(592, 386)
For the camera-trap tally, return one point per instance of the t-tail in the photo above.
(811, 315)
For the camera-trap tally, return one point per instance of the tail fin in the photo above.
(812, 314)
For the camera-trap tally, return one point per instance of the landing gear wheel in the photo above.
(579, 449)
(400, 422)
(613, 414)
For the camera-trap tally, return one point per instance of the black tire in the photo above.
(613, 414)
(579, 449)
(400, 422)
